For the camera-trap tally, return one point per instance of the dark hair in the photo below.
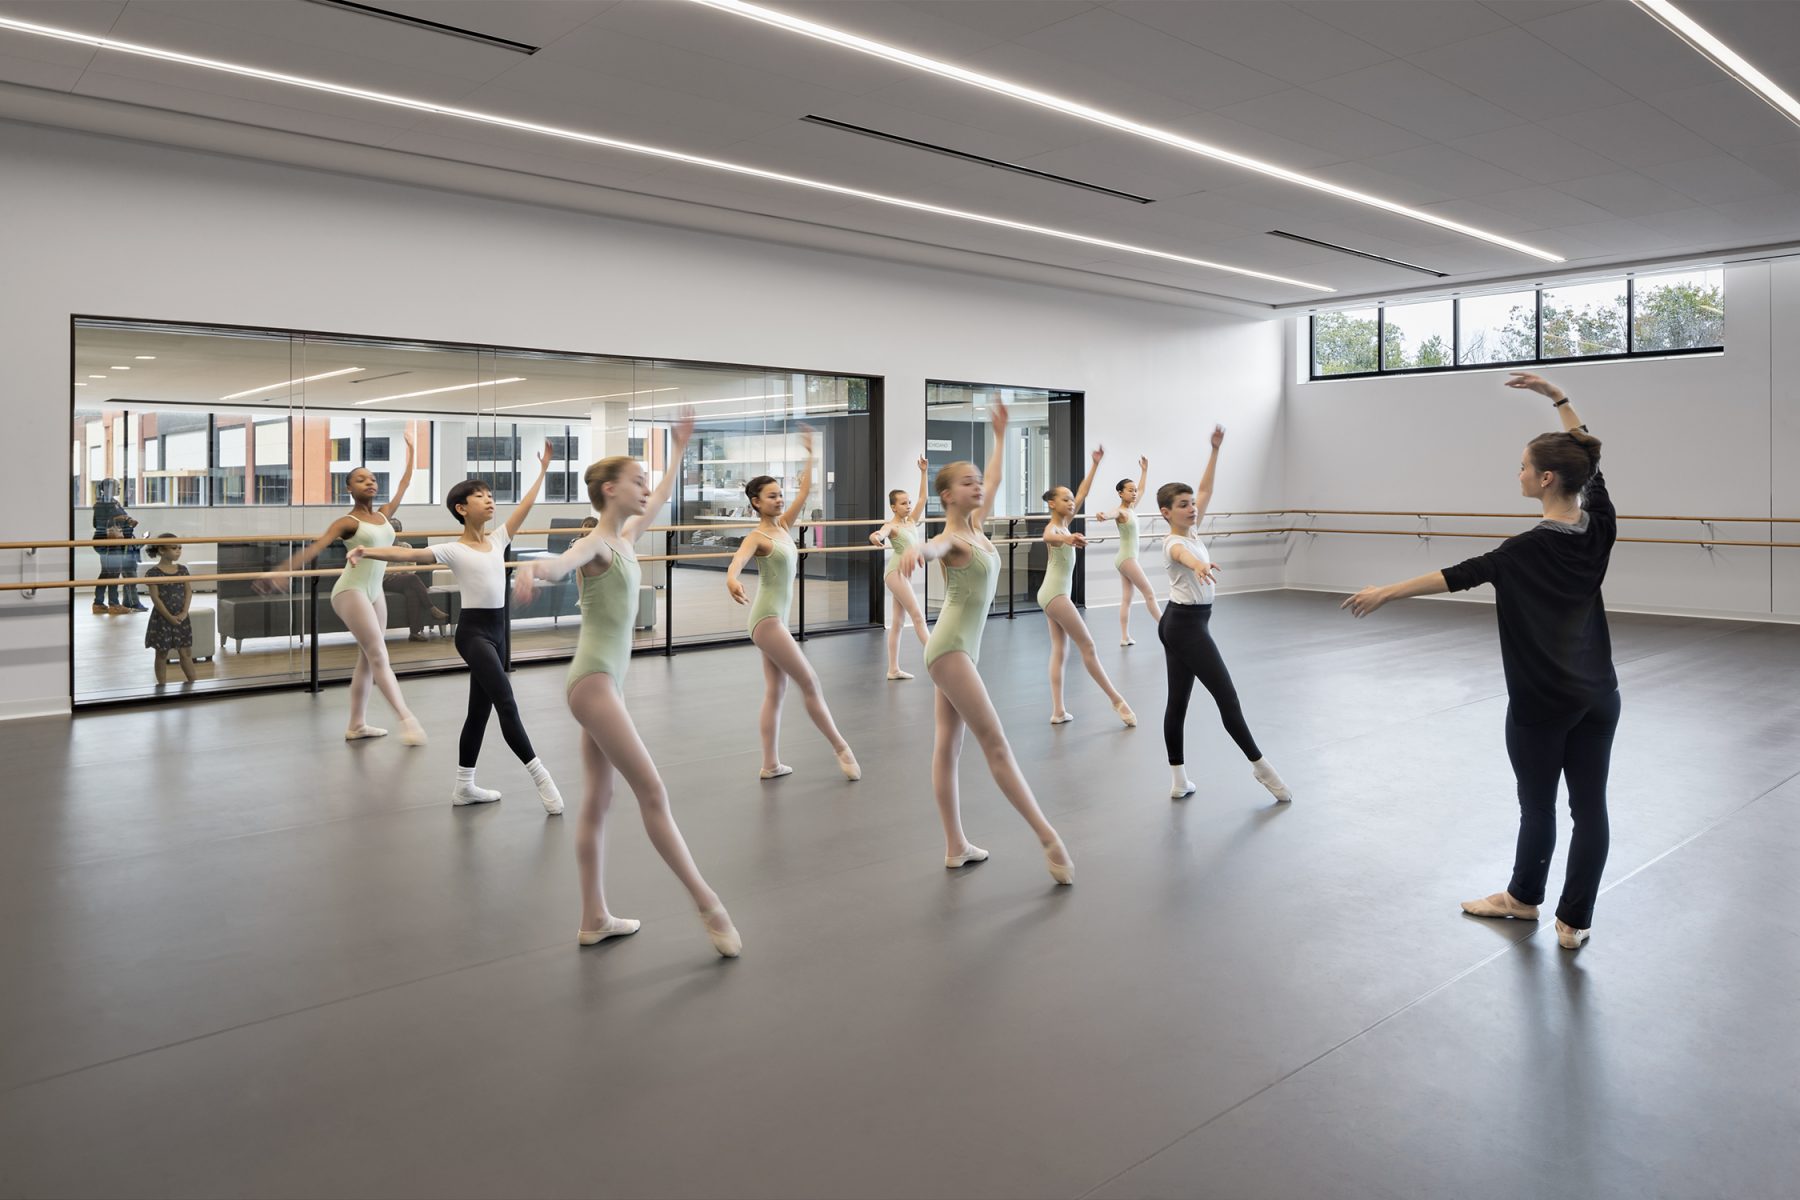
(1165, 495)
(460, 495)
(395, 522)
(1049, 492)
(894, 493)
(154, 550)
(1120, 486)
(1573, 456)
(589, 522)
(754, 488)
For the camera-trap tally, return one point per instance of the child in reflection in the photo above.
(170, 628)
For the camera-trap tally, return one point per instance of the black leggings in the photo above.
(480, 638)
(1577, 748)
(1189, 654)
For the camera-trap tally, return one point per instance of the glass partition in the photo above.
(249, 439)
(1043, 450)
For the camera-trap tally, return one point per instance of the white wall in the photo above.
(104, 227)
(1702, 436)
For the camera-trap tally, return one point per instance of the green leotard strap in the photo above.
(775, 581)
(609, 603)
(968, 594)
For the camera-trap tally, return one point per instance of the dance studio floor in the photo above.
(242, 958)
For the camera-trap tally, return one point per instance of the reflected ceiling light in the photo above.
(79, 383)
(1723, 57)
(594, 139)
(118, 368)
(458, 387)
(720, 400)
(573, 399)
(146, 358)
(96, 377)
(290, 383)
(1075, 108)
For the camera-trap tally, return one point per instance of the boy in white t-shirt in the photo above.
(478, 560)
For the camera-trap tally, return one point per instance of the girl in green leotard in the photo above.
(971, 569)
(1132, 579)
(358, 600)
(903, 528)
(771, 543)
(619, 488)
(1054, 598)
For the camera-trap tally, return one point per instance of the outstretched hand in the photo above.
(736, 589)
(997, 415)
(524, 584)
(544, 458)
(1143, 463)
(355, 556)
(923, 465)
(1098, 454)
(910, 560)
(1218, 436)
(1078, 540)
(1365, 601)
(1526, 381)
(267, 585)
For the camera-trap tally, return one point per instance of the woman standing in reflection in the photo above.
(1132, 579)
(358, 600)
(971, 567)
(900, 532)
(478, 560)
(1055, 597)
(619, 489)
(1562, 693)
(771, 543)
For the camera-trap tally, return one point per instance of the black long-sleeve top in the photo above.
(1554, 643)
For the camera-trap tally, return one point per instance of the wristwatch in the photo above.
(1559, 403)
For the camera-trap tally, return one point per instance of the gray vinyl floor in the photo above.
(242, 958)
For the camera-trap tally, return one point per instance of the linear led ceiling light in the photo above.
(288, 383)
(573, 399)
(1075, 108)
(594, 139)
(455, 387)
(1723, 57)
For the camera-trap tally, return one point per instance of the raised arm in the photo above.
(275, 580)
(917, 516)
(659, 495)
(393, 503)
(1143, 476)
(990, 479)
(1526, 381)
(589, 548)
(396, 554)
(1203, 494)
(516, 522)
(1087, 481)
(806, 473)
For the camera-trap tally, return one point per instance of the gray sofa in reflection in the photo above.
(245, 614)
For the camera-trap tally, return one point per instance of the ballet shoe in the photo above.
(1183, 792)
(468, 793)
(848, 765)
(726, 941)
(1125, 714)
(1062, 718)
(1500, 904)
(551, 798)
(971, 854)
(1265, 775)
(1063, 872)
(363, 731)
(1569, 937)
(412, 733)
(1130, 641)
(774, 772)
(614, 927)
(898, 674)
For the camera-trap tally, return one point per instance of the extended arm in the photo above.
(990, 479)
(1372, 598)
(1143, 476)
(1062, 537)
(275, 580)
(516, 522)
(1203, 494)
(806, 473)
(917, 516)
(389, 508)
(880, 536)
(745, 551)
(1190, 560)
(582, 551)
(659, 495)
(1087, 481)
(397, 554)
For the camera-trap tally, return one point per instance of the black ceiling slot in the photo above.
(486, 39)
(1368, 254)
(947, 152)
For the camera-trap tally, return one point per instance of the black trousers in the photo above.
(480, 639)
(1189, 653)
(1577, 748)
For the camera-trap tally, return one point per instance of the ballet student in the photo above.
(619, 489)
(900, 531)
(1132, 580)
(1054, 598)
(771, 543)
(171, 601)
(478, 561)
(971, 567)
(1189, 652)
(358, 600)
(1562, 693)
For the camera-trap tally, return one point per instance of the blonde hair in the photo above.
(606, 471)
(947, 475)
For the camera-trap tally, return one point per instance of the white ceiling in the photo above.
(1584, 128)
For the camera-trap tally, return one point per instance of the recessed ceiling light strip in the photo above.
(1073, 108)
(594, 139)
(573, 399)
(289, 383)
(456, 387)
(1723, 57)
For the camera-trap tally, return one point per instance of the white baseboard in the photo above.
(24, 710)
(1703, 614)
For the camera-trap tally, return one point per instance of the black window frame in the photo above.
(1537, 360)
